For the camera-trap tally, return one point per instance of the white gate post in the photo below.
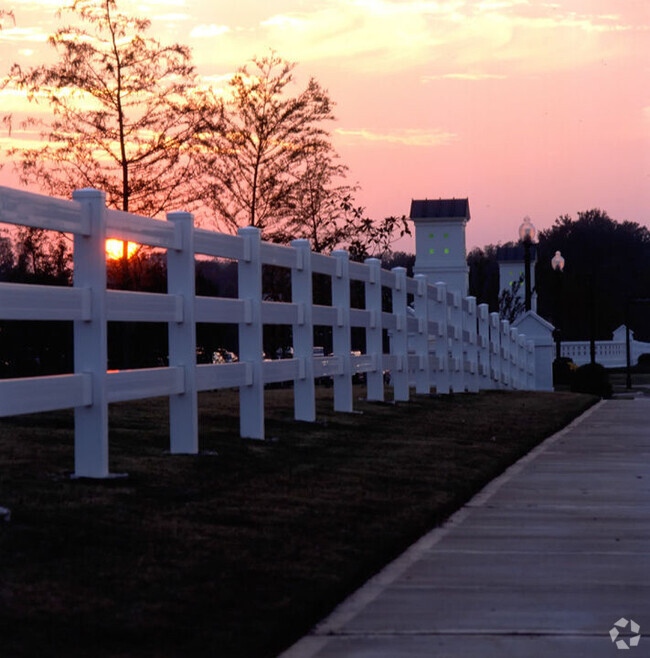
(495, 351)
(399, 343)
(251, 345)
(484, 345)
(183, 411)
(374, 338)
(421, 338)
(303, 333)
(341, 338)
(441, 345)
(90, 348)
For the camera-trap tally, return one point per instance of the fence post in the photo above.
(183, 410)
(399, 344)
(470, 347)
(495, 350)
(374, 337)
(90, 348)
(441, 345)
(341, 338)
(530, 364)
(304, 392)
(251, 345)
(484, 345)
(505, 354)
(456, 348)
(421, 338)
(514, 358)
(521, 357)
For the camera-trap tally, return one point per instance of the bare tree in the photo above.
(320, 208)
(254, 142)
(118, 121)
(511, 302)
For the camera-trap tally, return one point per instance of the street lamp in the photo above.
(557, 263)
(527, 233)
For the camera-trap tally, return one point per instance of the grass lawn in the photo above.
(239, 551)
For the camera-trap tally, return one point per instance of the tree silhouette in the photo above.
(254, 145)
(611, 256)
(118, 112)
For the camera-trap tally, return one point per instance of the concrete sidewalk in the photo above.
(540, 564)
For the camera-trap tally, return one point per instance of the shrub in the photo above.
(562, 370)
(591, 379)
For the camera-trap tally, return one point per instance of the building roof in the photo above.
(439, 208)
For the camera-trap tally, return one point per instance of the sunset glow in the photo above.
(114, 249)
(527, 107)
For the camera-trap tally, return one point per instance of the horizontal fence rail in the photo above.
(437, 339)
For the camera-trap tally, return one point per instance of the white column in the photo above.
(374, 341)
(399, 343)
(484, 345)
(441, 345)
(251, 347)
(90, 349)
(341, 338)
(303, 333)
(421, 338)
(183, 411)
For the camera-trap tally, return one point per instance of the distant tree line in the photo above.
(610, 258)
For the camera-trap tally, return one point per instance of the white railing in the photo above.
(443, 341)
(609, 353)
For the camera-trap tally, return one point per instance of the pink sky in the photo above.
(526, 107)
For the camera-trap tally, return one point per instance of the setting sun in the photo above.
(114, 249)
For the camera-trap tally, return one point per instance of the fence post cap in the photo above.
(301, 243)
(248, 230)
(88, 193)
(180, 216)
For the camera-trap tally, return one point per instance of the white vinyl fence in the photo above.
(443, 341)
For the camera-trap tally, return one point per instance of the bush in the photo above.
(591, 379)
(563, 369)
(643, 364)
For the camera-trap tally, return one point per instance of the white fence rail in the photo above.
(443, 341)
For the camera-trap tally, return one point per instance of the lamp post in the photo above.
(527, 233)
(557, 263)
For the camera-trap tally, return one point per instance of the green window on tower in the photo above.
(431, 236)
(446, 250)
(430, 251)
(446, 235)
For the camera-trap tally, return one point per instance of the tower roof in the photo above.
(440, 208)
